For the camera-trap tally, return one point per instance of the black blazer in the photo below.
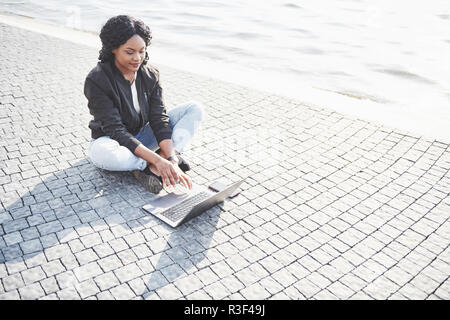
(110, 101)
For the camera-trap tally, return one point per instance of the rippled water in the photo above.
(385, 51)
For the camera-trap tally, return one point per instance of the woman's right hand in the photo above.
(167, 171)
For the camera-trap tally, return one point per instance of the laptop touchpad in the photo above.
(171, 199)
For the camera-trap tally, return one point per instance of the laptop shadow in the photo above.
(185, 252)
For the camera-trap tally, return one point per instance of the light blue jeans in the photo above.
(106, 153)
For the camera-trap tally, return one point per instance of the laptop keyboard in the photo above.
(181, 209)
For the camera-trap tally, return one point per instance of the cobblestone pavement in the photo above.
(333, 207)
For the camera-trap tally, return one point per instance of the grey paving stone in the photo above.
(193, 247)
(134, 239)
(232, 283)
(237, 262)
(11, 295)
(412, 293)
(267, 247)
(84, 229)
(87, 288)
(145, 265)
(118, 245)
(139, 287)
(157, 245)
(169, 292)
(70, 262)
(128, 272)
(177, 254)
(360, 295)
(29, 233)
(3, 272)
(50, 285)
(160, 260)
(443, 291)
(16, 265)
(88, 216)
(255, 292)
(34, 259)
(253, 254)
(76, 245)
(227, 249)
(197, 295)
(217, 290)
(12, 238)
(5, 217)
(425, 283)
(127, 256)
(87, 271)
(381, 288)
(53, 268)
(31, 292)
(13, 282)
(70, 221)
(102, 250)
(33, 275)
(110, 263)
(398, 276)
(15, 225)
(213, 255)
(241, 242)
(120, 230)
(206, 276)
(189, 284)
(69, 293)
(91, 240)
(284, 277)
(50, 227)
(306, 288)
(222, 269)
(172, 272)
(157, 280)
(106, 281)
(280, 296)
(105, 295)
(86, 256)
(57, 251)
(325, 295)
(271, 285)
(114, 219)
(35, 219)
(106, 235)
(247, 276)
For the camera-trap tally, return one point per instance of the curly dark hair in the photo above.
(117, 30)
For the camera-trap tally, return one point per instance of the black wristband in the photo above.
(171, 158)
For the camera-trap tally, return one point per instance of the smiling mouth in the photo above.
(135, 64)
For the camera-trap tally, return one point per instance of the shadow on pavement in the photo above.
(58, 215)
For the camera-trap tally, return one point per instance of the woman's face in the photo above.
(129, 56)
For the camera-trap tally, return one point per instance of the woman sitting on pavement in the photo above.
(130, 119)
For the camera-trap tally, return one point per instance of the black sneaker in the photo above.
(184, 166)
(149, 180)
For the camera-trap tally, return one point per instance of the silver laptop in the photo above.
(175, 209)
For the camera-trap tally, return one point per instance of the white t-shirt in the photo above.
(135, 96)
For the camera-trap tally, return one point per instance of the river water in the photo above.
(388, 52)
